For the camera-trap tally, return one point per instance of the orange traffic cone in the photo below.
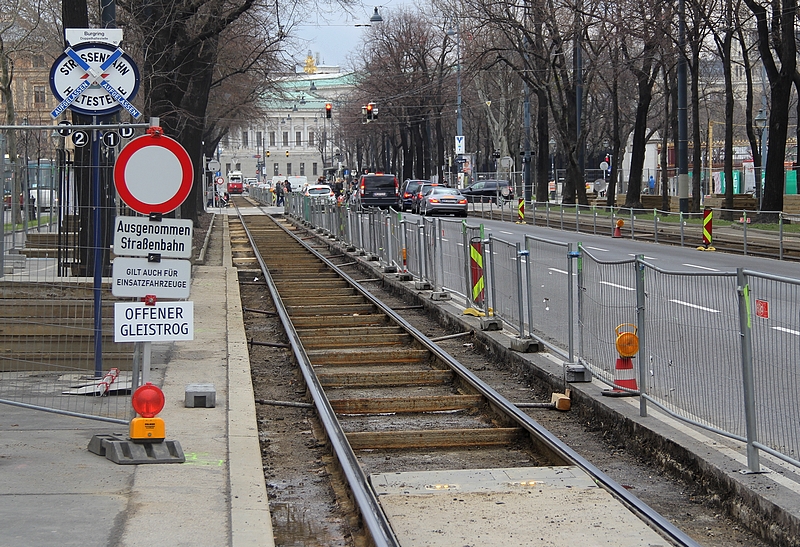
(624, 377)
(617, 225)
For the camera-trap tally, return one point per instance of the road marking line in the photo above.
(784, 329)
(700, 267)
(595, 248)
(695, 306)
(507, 233)
(617, 286)
(645, 256)
(558, 271)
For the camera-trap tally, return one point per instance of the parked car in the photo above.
(406, 199)
(377, 190)
(319, 191)
(442, 200)
(417, 197)
(494, 191)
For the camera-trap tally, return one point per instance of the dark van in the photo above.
(377, 190)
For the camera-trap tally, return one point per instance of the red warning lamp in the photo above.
(147, 401)
(328, 108)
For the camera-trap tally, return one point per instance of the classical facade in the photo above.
(296, 138)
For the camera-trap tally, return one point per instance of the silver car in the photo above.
(444, 201)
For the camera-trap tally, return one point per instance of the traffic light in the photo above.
(267, 153)
(370, 107)
(287, 153)
(328, 108)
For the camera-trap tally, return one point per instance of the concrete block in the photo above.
(491, 323)
(390, 269)
(200, 396)
(123, 451)
(422, 286)
(576, 373)
(404, 277)
(440, 295)
(525, 345)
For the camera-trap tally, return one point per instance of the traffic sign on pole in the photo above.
(94, 79)
(137, 278)
(153, 174)
(139, 236)
(162, 322)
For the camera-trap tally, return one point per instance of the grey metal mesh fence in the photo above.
(504, 282)
(775, 324)
(606, 299)
(433, 253)
(692, 346)
(57, 338)
(453, 258)
(412, 246)
(548, 271)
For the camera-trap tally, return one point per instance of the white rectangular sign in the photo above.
(77, 36)
(164, 322)
(139, 236)
(137, 277)
(460, 146)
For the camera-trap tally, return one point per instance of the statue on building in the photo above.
(311, 65)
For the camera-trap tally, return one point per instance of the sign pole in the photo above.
(147, 352)
(98, 252)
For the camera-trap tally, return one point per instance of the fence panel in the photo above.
(453, 256)
(776, 339)
(606, 299)
(504, 283)
(693, 346)
(57, 340)
(548, 269)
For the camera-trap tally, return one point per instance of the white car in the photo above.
(318, 191)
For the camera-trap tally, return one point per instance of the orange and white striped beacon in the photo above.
(148, 400)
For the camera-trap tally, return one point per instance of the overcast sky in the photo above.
(331, 34)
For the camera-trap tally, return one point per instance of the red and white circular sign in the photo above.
(153, 174)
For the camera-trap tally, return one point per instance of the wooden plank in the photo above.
(373, 340)
(385, 379)
(433, 438)
(405, 404)
(362, 356)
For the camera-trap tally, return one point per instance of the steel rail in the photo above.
(365, 498)
(550, 441)
(529, 424)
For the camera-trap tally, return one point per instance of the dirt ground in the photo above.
(308, 503)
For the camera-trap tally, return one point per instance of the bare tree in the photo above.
(775, 25)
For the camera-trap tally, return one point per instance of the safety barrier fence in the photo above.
(715, 349)
(687, 229)
(57, 349)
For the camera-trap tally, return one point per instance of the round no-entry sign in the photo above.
(153, 174)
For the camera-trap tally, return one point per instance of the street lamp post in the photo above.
(456, 33)
(760, 123)
(552, 144)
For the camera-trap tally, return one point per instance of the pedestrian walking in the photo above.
(279, 194)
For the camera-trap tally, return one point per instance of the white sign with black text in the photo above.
(162, 322)
(139, 236)
(136, 277)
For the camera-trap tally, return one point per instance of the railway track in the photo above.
(406, 422)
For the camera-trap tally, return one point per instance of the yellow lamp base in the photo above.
(146, 430)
